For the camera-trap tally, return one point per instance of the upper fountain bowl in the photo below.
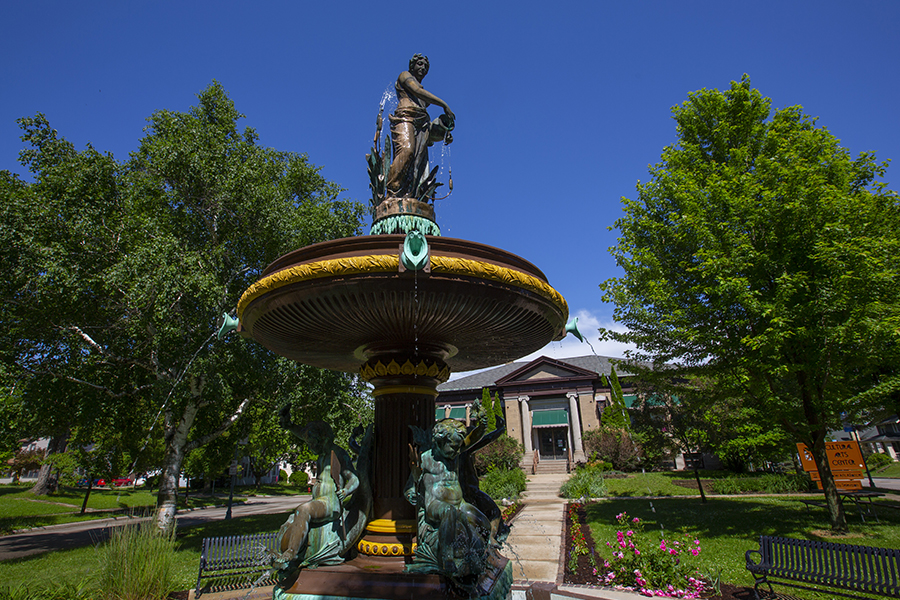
(339, 303)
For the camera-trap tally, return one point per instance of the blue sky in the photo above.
(560, 106)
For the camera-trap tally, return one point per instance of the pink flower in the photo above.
(636, 520)
(629, 533)
(695, 551)
(637, 552)
(662, 545)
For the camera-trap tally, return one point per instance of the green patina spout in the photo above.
(415, 251)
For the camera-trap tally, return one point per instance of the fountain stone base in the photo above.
(367, 578)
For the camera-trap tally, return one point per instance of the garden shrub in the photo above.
(299, 479)
(503, 454)
(503, 483)
(878, 460)
(586, 482)
(616, 446)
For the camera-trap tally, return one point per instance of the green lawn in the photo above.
(891, 470)
(650, 484)
(77, 566)
(728, 527)
(20, 509)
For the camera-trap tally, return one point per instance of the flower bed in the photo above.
(635, 561)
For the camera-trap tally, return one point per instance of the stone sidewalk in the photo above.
(535, 543)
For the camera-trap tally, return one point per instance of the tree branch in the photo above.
(201, 441)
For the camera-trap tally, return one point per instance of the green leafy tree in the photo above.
(762, 255)
(498, 407)
(120, 271)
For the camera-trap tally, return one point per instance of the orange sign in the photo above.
(842, 456)
(850, 485)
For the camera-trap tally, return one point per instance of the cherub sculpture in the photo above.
(325, 529)
(459, 527)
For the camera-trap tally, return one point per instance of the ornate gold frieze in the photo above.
(389, 263)
(423, 368)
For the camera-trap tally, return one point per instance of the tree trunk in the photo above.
(832, 499)
(176, 443)
(176, 447)
(48, 477)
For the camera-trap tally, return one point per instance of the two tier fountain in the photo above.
(402, 307)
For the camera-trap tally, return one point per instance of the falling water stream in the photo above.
(262, 556)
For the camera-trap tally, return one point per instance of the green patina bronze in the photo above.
(325, 529)
(405, 224)
(459, 526)
(414, 256)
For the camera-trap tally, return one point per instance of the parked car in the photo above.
(97, 482)
(122, 481)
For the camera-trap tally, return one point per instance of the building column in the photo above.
(526, 425)
(575, 426)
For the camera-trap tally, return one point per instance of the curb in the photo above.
(104, 520)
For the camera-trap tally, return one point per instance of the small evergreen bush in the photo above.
(503, 483)
(587, 482)
(299, 479)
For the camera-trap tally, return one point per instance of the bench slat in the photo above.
(857, 568)
(235, 555)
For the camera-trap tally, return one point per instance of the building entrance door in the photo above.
(554, 442)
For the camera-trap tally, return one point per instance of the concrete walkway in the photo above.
(535, 543)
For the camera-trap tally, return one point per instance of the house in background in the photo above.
(548, 403)
(881, 436)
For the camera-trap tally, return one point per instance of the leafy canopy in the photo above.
(761, 252)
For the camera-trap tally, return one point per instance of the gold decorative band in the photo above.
(389, 263)
(391, 526)
(372, 370)
(404, 389)
(476, 268)
(385, 549)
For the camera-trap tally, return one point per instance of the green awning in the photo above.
(550, 418)
(630, 400)
(458, 413)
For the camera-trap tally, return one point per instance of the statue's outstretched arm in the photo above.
(415, 88)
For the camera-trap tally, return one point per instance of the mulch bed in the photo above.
(584, 573)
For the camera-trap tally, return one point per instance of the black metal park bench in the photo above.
(236, 556)
(861, 569)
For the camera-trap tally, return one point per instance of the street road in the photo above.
(73, 535)
(883, 483)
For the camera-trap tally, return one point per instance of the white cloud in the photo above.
(569, 347)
